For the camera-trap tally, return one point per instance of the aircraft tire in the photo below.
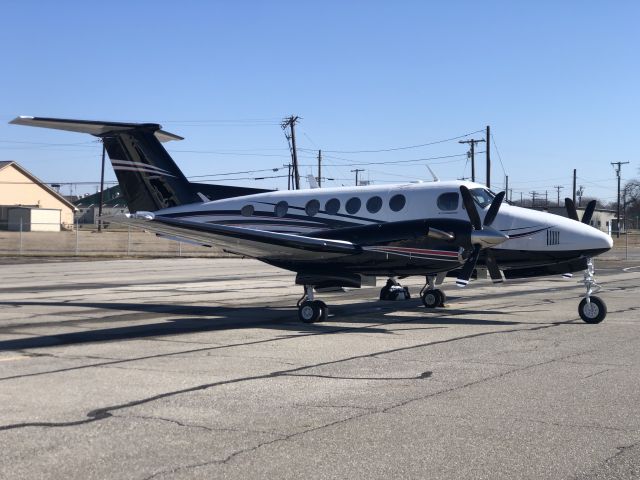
(443, 300)
(311, 312)
(432, 298)
(324, 310)
(594, 312)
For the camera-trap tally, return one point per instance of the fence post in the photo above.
(128, 239)
(77, 237)
(626, 245)
(20, 236)
(179, 249)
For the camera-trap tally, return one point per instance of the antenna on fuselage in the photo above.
(435, 177)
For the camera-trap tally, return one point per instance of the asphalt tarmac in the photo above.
(198, 368)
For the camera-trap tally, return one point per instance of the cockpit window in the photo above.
(482, 196)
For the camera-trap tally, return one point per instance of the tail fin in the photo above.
(149, 178)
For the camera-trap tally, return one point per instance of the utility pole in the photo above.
(619, 164)
(101, 191)
(319, 168)
(533, 198)
(357, 170)
(288, 165)
(290, 122)
(558, 188)
(506, 185)
(472, 142)
(546, 198)
(488, 154)
(574, 186)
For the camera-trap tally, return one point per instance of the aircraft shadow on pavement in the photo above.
(207, 319)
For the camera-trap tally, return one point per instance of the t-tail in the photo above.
(149, 178)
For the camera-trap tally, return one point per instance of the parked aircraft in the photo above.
(348, 236)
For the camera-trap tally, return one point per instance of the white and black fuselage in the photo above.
(360, 215)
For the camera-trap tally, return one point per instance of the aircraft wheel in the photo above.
(432, 298)
(311, 312)
(444, 298)
(594, 311)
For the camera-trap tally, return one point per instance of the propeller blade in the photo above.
(493, 209)
(467, 268)
(588, 212)
(494, 270)
(470, 206)
(572, 213)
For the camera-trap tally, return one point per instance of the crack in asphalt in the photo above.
(191, 425)
(386, 379)
(231, 456)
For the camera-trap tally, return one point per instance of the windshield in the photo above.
(482, 196)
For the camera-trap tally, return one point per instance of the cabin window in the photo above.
(397, 202)
(247, 210)
(312, 208)
(353, 205)
(332, 206)
(448, 201)
(374, 204)
(281, 209)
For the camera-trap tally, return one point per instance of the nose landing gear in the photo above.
(592, 309)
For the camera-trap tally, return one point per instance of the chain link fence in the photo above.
(45, 239)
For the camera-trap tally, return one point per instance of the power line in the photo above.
(394, 149)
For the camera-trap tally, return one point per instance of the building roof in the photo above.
(6, 163)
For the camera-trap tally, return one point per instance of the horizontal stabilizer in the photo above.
(92, 127)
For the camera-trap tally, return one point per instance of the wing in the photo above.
(242, 241)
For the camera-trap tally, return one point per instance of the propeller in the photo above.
(482, 236)
(588, 212)
(573, 213)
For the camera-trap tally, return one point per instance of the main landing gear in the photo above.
(592, 309)
(310, 310)
(394, 291)
(431, 296)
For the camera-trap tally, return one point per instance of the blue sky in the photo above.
(556, 81)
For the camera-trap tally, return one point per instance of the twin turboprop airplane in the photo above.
(346, 237)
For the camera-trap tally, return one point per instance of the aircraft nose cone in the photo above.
(601, 240)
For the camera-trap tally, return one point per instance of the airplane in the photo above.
(348, 236)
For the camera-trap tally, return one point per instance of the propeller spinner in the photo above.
(483, 236)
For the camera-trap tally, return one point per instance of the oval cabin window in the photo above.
(312, 208)
(332, 206)
(353, 205)
(448, 201)
(397, 202)
(247, 210)
(374, 204)
(281, 209)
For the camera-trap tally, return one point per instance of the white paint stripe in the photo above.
(136, 169)
(138, 164)
(628, 268)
